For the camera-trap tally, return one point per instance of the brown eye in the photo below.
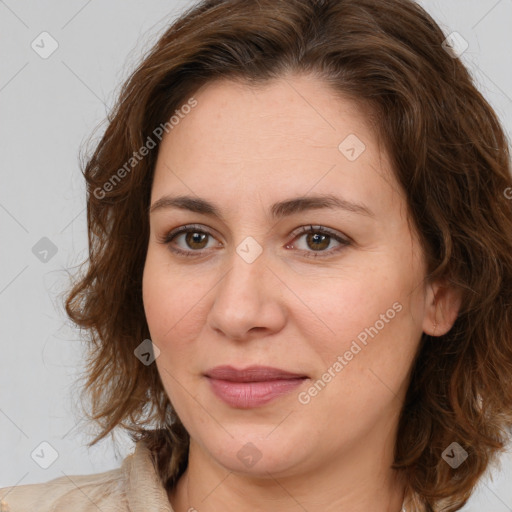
(318, 239)
(194, 240)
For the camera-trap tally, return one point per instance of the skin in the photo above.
(245, 148)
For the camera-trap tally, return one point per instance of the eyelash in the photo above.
(344, 241)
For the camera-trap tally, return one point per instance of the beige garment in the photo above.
(134, 487)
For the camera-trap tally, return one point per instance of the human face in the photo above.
(254, 290)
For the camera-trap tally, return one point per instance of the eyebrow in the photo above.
(278, 210)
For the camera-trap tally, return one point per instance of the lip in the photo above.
(253, 386)
(251, 374)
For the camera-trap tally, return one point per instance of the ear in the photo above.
(442, 304)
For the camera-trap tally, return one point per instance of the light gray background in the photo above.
(48, 107)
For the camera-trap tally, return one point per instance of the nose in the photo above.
(247, 300)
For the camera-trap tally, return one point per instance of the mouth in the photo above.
(251, 374)
(253, 386)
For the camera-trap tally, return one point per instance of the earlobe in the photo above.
(442, 305)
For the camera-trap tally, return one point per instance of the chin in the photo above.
(257, 453)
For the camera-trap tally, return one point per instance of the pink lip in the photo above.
(252, 386)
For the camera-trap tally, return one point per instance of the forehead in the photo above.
(282, 112)
(290, 135)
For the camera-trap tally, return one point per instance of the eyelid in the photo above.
(322, 229)
(168, 236)
(342, 239)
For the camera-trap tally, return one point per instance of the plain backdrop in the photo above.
(48, 108)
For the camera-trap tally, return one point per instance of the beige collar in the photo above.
(144, 488)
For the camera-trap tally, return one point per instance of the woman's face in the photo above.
(341, 308)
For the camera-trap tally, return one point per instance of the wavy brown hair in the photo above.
(449, 153)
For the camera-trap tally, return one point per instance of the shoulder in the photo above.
(77, 492)
(129, 488)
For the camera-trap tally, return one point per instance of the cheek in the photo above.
(371, 318)
(171, 298)
(341, 308)
(168, 299)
